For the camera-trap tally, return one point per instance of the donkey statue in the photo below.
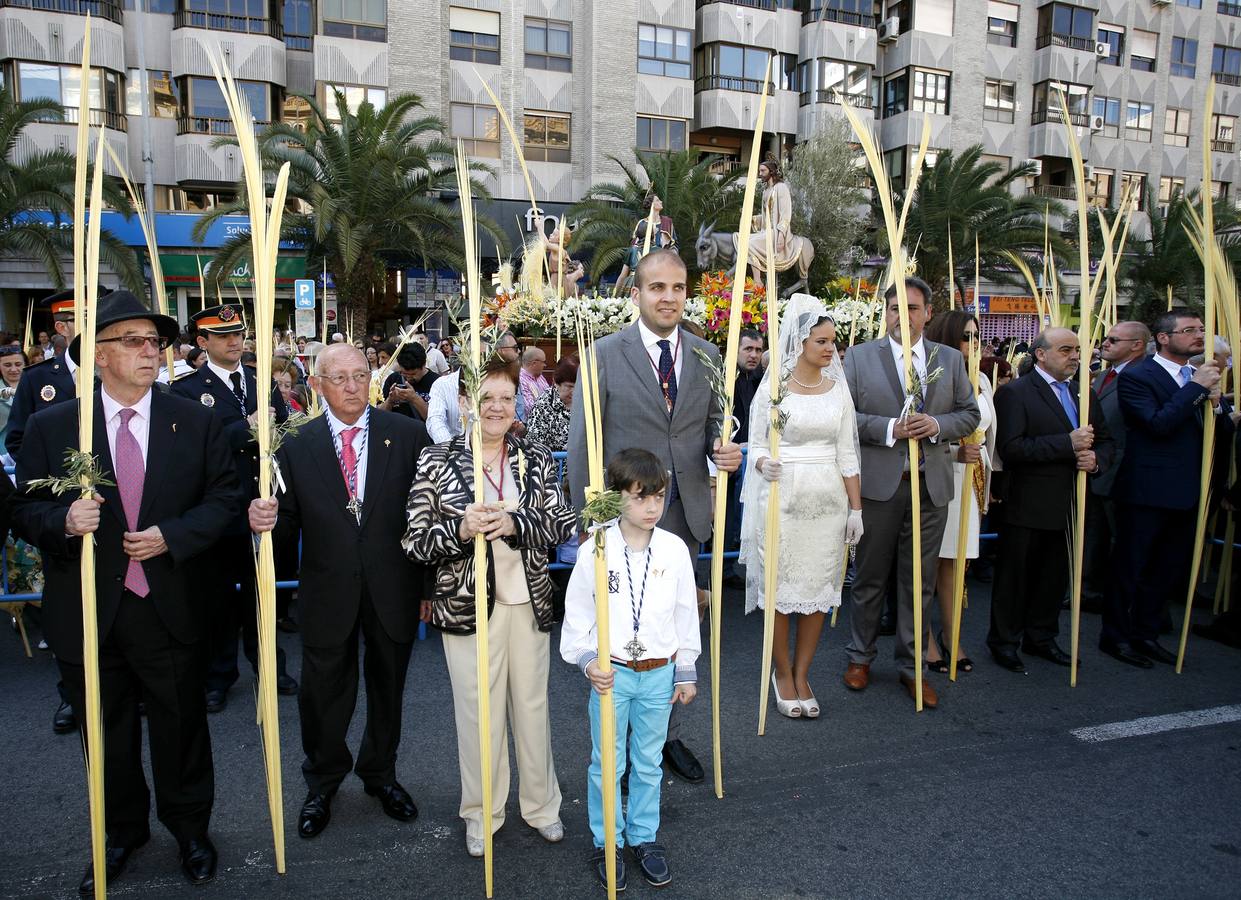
(717, 250)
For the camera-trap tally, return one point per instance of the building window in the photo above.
(1223, 133)
(1002, 23)
(546, 137)
(842, 82)
(163, 101)
(1138, 119)
(1184, 57)
(1062, 25)
(661, 135)
(62, 84)
(786, 73)
(295, 111)
(1226, 65)
(1176, 127)
(355, 96)
(1109, 109)
(1192, 4)
(1138, 181)
(549, 45)
(200, 201)
(1099, 189)
(364, 20)
(1114, 37)
(245, 16)
(931, 92)
(664, 51)
(299, 24)
(896, 94)
(1047, 102)
(730, 67)
(1004, 162)
(999, 100)
(1170, 187)
(474, 35)
(478, 127)
(205, 112)
(894, 165)
(1144, 51)
(1220, 190)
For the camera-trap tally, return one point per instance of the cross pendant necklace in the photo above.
(355, 507)
(635, 648)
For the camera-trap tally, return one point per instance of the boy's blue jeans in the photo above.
(642, 709)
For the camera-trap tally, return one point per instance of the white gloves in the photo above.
(853, 527)
(771, 469)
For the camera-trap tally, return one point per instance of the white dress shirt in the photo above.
(139, 425)
(668, 625)
(918, 352)
(226, 376)
(1174, 369)
(359, 446)
(650, 340)
(444, 408)
(436, 362)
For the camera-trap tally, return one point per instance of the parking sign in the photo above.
(304, 293)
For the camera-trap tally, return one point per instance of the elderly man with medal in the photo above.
(229, 390)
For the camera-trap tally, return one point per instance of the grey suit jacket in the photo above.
(878, 395)
(1109, 402)
(635, 415)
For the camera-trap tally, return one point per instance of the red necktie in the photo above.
(349, 460)
(1108, 377)
(130, 472)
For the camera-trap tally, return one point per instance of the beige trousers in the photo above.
(520, 657)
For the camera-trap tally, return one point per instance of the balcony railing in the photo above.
(859, 101)
(1042, 116)
(1055, 191)
(189, 18)
(1223, 146)
(207, 125)
(99, 118)
(1229, 9)
(1227, 78)
(754, 4)
(1070, 41)
(725, 166)
(104, 9)
(728, 83)
(843, 17)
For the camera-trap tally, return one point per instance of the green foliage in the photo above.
(43, 182)
(82, 473)
(692, 195)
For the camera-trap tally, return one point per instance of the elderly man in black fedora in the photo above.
(175, 492)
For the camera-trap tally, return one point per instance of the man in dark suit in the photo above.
(1044, 444)
(229, 390)
(1165, 401)
(176, 489)
(1124, 344)
(354, 578)
(749, 376)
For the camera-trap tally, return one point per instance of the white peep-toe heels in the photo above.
(789, 708)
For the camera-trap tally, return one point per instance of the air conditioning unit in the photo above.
(1102, 48)
(1096, 123)
(1038, 167)
(1163, 2)
(889, 30)
(1088, 172)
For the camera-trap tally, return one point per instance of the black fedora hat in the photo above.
(122, 306)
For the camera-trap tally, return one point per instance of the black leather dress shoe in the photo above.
(64, 722)
(1153, 650)
(198, 859)
(316, 813)
(1008, 659)
(1049, 651)
(115, 859)
(216, 701)
(286, 684)
(887, 624)
(396, 801)
(682, 763)
(1126, 654)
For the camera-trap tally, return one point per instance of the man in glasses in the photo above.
(230, 391)
(1124, 344)
(172, 491)
(1165, 402)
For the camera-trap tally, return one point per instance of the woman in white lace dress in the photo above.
(820, 495)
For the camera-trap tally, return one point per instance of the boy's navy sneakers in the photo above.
(599, 862)
(652, 860)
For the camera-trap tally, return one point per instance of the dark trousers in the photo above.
(1097, 561)
(141, 661)
(1150, 568)
(285, 553)
(1031, 576)
(732, 522)
(329, 694)
(232, 563)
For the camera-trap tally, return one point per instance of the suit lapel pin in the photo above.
(47, 394)
(206, 400)
(174, 427)
(387, 443)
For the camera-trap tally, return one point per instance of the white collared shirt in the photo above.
(1174, 369)
(918, 352)
(73, 367)
(668, 625)
(444, 408)
(227, 377)
(139, 425)
(436, 362)
(650, 340)
(359, 445)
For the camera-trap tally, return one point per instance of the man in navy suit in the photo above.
(1164, 401)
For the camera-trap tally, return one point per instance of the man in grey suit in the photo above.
(653, 394)
(1125, 343)
(943, 411)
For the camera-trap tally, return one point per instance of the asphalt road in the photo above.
(989, 795)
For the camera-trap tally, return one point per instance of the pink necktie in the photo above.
(130, 472)
(349, 459)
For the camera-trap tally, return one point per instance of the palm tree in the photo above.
(367, 192)
(692, 195)
(967, 198)
(42, 182)
(1167, 260)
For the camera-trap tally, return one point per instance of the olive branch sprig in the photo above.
(82, 473)
(602, 508)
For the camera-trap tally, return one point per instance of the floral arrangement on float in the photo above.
(714, 299)
(535, 317)
(856, 306)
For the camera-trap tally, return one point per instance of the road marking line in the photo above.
(1197, 718)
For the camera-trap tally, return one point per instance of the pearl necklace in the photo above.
(809, 387)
